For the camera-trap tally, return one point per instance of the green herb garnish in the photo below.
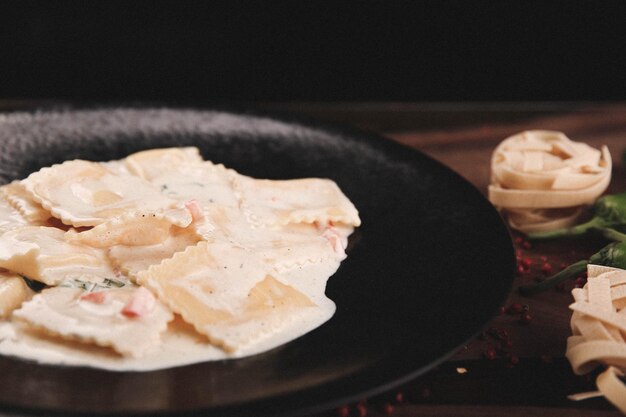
(609, 212)
(90, 286)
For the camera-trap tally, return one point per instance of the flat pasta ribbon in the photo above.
(599, 332)
(542, 179)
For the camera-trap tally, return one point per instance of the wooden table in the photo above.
(531, 376)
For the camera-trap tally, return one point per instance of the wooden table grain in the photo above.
(531, 376)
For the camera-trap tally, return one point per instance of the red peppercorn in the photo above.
(361, 410)
(388, 409)
(527, 262)
(343, 411)
(520, 270)
(490, 353)
(519, 240)
(546, 268)
(514, 360)
(580, 282)
(525, 318)
(507, 344)
(527, 245)
(399, 397)
(515, 308)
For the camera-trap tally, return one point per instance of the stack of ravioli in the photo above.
(123, 249)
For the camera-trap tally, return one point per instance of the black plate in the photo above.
(428, 268)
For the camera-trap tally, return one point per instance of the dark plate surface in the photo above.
(428, 268)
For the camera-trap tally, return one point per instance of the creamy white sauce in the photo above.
(182, 345)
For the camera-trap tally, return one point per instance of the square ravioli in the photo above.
(128, 319)
(226, 292)
(42, 254)
(307, 200)
(122, 248)
(83, 193)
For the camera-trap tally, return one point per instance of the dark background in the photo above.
(313, 51)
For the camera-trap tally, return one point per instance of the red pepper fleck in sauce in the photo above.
(98, 297)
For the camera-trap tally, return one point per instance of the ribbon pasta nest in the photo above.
(542, 180)
(599, 332)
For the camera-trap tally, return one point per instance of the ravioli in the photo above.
(22, 201)
(83, 193)
(74, 314)
(225, 292)
(204, 182)
(283, 247)
(124, 247)
(9, 217)
(42, 254)
(133, 259)
(13, 292)
(131, 229)
(269, 203)
(154, 162)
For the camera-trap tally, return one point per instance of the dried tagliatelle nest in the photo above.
(541, 180)
(599, 332)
